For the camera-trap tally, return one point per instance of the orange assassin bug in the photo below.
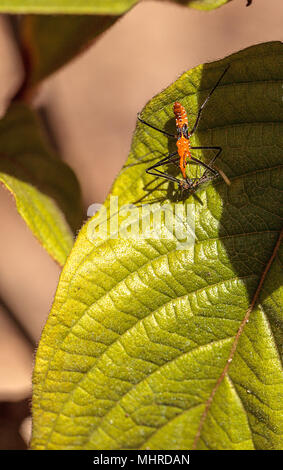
(184, 147)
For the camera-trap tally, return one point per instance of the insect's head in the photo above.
(187, 184)
(192, 184)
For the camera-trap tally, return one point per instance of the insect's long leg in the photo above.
(167, 159)
(156, 128)
(152, 170)
(161, 174)
(209, 165)
(219, 172)
(206, 100)
(216, 170)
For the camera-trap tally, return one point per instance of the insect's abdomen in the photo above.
(180, 115)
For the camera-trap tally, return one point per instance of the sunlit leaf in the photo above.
(100, 7)
(45, 189)
(42, 216)
(153, 345)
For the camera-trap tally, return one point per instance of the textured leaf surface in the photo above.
(152, 347)
(44, 188)
(100, 7)
(41, 36)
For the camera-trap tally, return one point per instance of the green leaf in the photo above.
(40, 183)
(203, 4)
(42, 216)
(91, 7)
(41, 35)
(100, 7)
(151, 346)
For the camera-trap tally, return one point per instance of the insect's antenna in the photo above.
(206, 100)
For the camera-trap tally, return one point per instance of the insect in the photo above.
(184, 147)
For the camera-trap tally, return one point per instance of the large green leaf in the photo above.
(100, 7)
(39, 181)
(51, 41)
(153, 347)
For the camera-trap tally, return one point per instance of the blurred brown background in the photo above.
(92, 105)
